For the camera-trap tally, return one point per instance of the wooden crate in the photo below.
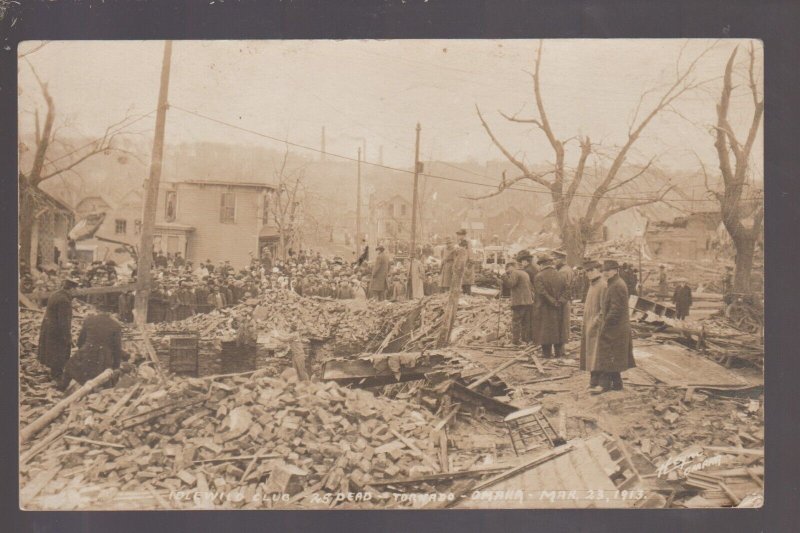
(183, 354)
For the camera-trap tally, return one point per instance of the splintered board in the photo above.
(676, 366)
(581, 478)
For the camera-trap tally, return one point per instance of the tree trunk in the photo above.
(573, 242)
(25, 228)
(745, 251)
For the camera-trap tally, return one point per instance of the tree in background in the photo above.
(577, 223)
(742, 206)
(287, 210)
(45, 166)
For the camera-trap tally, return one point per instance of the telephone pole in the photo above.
(145, 258)
(414, 201)
(358, 207)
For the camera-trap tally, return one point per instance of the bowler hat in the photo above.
(610, 264)
(524, 255)
(70, 283)
(590, 265)
(544, 260)
(462, 231)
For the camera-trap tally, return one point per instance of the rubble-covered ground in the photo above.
(263, 438)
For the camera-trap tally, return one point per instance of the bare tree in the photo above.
(44, 167)
(287, 204)
(733, 200)
(564, 183)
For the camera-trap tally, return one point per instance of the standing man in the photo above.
(526, 259)
(682, 298)
(378, 284)
(55, 336)
(364, 257)
(551, 329)
(469, 274)
(727, 285)
(519, 284)
(592, 313)
(416, 279)
(615, 349)
(99, 347)
(663, 287)
(448, 256)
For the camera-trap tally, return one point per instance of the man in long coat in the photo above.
(592, 312)
(551, 330)
(378, 284)
(99, 347)
(468, 279)
(417, 278)
(519, 284)
(682, 298)
(615, 348)
(526, 260)
(448, 257)
(55, 336)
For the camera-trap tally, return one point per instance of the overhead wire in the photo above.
(402, 170)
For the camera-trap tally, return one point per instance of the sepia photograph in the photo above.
(391, 274)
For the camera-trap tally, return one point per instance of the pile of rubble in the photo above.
(277, 441)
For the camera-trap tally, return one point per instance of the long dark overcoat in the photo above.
(616, 344)
(550, 325)
(380, 271)
(55, 337)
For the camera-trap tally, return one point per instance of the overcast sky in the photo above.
(378, 90)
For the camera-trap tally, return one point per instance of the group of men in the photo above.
(99, 341)
(540, 306)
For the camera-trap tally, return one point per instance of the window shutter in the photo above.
(222, 208)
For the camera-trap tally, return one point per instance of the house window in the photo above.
(227, 213)
(120, 226)
(137, 227)
(170, 206)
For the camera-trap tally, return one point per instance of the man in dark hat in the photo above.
(551, 329)
(592, 313)
(55, 336)
(448, 257)
(519, 285)
(468, 277)
(615, 347)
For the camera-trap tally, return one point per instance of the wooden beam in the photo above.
(43, 421)
(494, 372)
(84, 291)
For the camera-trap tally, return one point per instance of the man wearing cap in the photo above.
(519, 284)
(551, 328)
(682, 298)
(378, 284)
(526, 260)
(615, 347)
(592, 312)
(55, 335)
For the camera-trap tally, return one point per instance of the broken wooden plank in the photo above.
(410, 445)
(90, 441)
(494, 372)
(54, 412)
(758, 452)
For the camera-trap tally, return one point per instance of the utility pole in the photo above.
(415, 200)
(358, 207)
(151, 195)
(414, 204)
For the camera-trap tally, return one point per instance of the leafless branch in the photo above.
(632, 178)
